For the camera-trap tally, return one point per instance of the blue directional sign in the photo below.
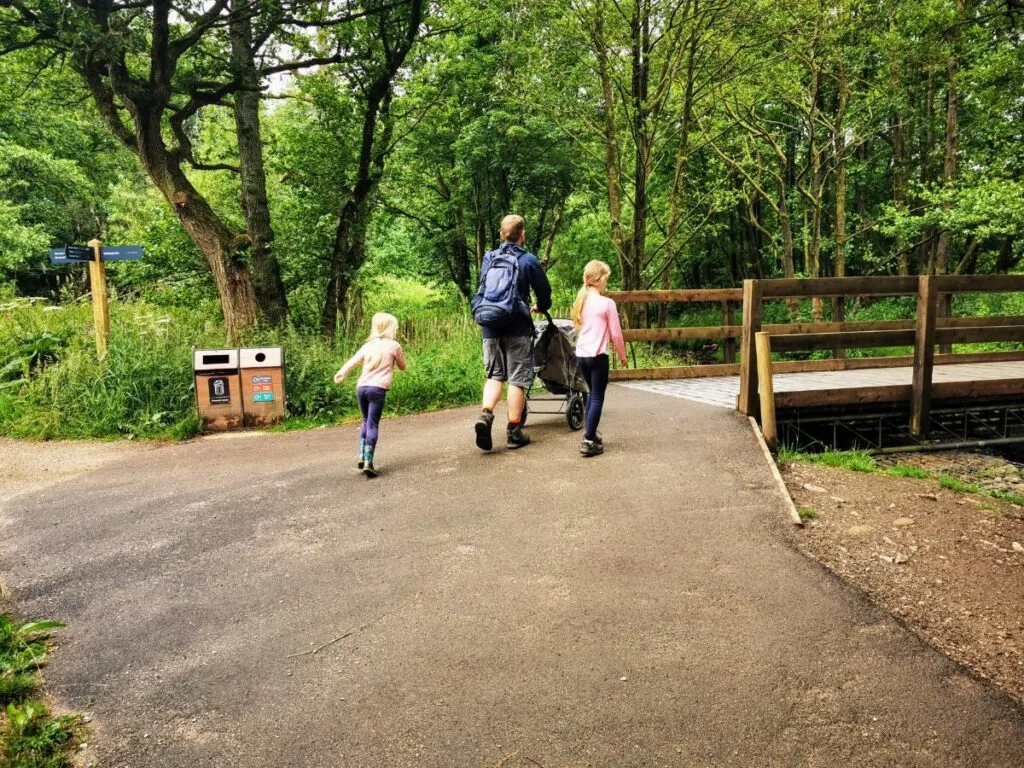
(121, 252)
(72, 254)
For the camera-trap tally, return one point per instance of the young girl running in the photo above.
(597, 322)
(379, 356)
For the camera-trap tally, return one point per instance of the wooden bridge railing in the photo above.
(837, 335)
(729, 299)
(923, 333)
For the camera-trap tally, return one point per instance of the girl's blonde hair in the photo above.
(593, 274)
(383, 326)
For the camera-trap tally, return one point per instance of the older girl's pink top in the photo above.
(600, 325)
(381, 375)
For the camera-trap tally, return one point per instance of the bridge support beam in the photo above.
(748, 401)
(924, 355)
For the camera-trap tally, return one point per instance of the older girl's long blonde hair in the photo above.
(593, 274)
(382, 327)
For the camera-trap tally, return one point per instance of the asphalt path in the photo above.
(512, 609)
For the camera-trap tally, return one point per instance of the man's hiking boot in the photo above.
(483, 431)
(516, 437)
(592, 447)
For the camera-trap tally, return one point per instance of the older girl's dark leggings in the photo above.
(595, 371)
(371, 404)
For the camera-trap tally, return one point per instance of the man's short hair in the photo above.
(512, 227)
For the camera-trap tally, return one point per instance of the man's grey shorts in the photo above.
(510, 359)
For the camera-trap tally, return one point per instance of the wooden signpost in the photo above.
(97, 256)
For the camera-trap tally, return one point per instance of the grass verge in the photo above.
(31, 737)
(860, 461)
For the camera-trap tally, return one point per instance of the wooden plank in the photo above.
(817, 398)
(677, 295)
(980, 357)
(847, 339)
(945, 313)
(729, 318)
(752, 305)
(979, 283)
(960, 390)
(794, 515)
(839, 286)
(979, 334)
(924, 355)
(682, 334)
(764, 387)
(838, 316)
(975, 322)
(678, 372)
(777, 329)
(899, 393)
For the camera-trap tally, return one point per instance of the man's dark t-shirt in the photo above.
(531, 276)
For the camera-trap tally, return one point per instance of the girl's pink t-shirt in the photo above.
(600, 324)
(382, 375)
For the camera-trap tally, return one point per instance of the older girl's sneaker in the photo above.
(592, 447)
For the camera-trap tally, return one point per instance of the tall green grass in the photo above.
(145, 386)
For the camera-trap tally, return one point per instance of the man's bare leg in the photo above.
(516, 400)
(492, 394)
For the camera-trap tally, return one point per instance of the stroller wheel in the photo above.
(575, 414)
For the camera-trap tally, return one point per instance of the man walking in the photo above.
(502, 308)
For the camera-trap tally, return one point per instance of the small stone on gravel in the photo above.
(903, 522)
(859, 531)
(814, 488)
(1018, 547)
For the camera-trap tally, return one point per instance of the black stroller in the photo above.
(554, 358)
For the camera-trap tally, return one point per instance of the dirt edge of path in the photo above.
(948, 566)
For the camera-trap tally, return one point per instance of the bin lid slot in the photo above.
(217, 359)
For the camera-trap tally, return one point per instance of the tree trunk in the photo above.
(839, 266)
(632, 278)
(215, 240)
(613, 177)
(926, 256)
(265, 270)
(899, 175)
(949, 158)
(349, 249)
(461, 271)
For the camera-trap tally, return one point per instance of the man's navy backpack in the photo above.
(498, 301)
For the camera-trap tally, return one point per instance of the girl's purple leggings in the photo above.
(371, 404)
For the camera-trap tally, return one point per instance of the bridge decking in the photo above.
(723, 390)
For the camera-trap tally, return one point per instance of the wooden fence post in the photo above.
(945, 310)
(747, 404)
(729, 318)
(924, 355)
(839, 316)
(766, 390)
(100, 308)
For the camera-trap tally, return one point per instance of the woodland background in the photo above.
(290, 167)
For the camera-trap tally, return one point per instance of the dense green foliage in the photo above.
(690, 143)
(29, 736)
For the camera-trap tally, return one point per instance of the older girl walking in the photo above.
(597, 323)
